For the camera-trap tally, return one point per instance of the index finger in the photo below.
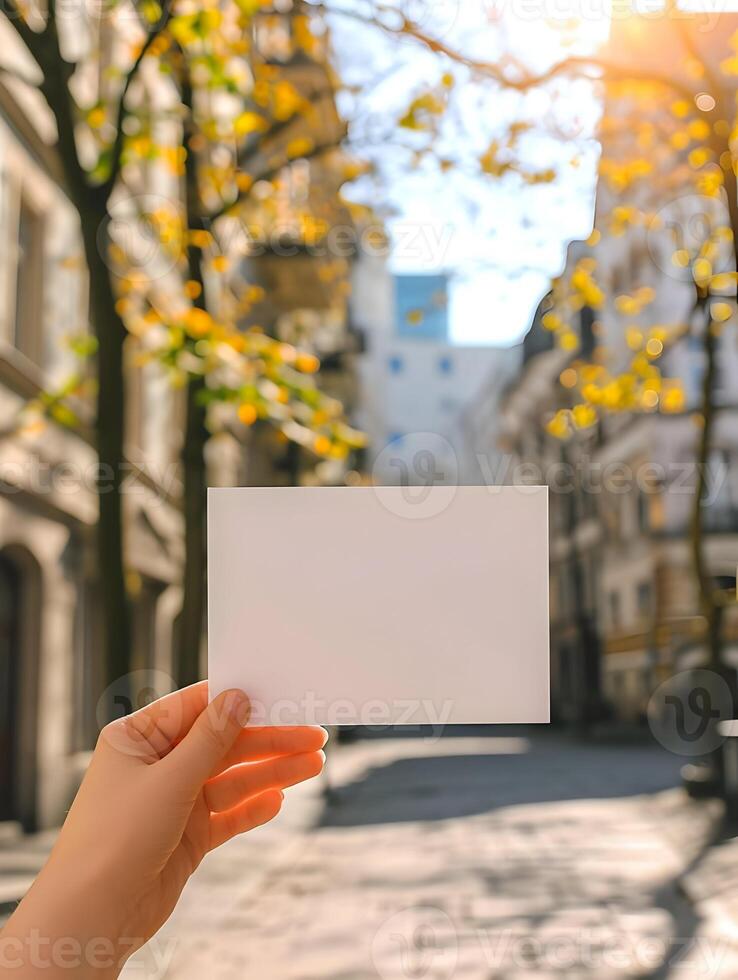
(259, 743)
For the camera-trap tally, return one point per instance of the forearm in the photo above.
(57, 932)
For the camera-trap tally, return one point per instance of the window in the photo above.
(587, 501)
(144, 624)
(395, 365)
(564, 590)
(449, 405)
(273, 37)
(644, 522)
(614, 604)
(28, 281)
(644, 594)
(586, 330)
(88, 665)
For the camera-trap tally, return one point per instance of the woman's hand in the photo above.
(165, 786)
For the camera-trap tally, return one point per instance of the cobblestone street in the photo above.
(521, 855)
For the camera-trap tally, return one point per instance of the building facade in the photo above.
(417, 389)
(624, 598)
(50, 658)
(51, 664)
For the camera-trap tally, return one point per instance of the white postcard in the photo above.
(382, 605)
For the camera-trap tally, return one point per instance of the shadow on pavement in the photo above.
(428, 787)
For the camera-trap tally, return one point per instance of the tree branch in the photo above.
(575, 65)
(282, 126)
(317, 151)
(117, 148)
(32, 39)
(19, 76)
(54, 86)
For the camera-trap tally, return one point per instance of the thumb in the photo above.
(214, 732)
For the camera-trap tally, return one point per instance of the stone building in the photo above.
(623, 595)
(50, 654)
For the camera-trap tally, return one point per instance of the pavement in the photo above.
(503, 856)
(516, 855)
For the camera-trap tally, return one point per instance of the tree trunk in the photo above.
(711, 608)
(109, 427)
(195, 504)
(706, 588)
(589, 704)
(91, 205)
(193, 448)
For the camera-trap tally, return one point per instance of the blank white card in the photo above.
(375, 606)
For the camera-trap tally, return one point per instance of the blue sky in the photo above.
(500, 239)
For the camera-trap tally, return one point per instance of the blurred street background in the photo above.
(418, 242)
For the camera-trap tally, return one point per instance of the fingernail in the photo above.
(326, 735)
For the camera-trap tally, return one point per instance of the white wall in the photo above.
(417, 389)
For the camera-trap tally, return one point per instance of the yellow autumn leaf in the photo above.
(584, 416)
(96, 117)
(723, 280)
(673, 399)
(247, 414)
(698, 129)
(681, 108)
(558, 426)
(702, 271)
(244, 182)
(300, 147)
(720, 312)
(249, 122)
(680, 258)
(322, 445)
(699, 157)
(710, 182)
(197, 322)
(729, 66)
(680, 139)
(627, 305)
(592, 393)
(200, 238)
(307, 363)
